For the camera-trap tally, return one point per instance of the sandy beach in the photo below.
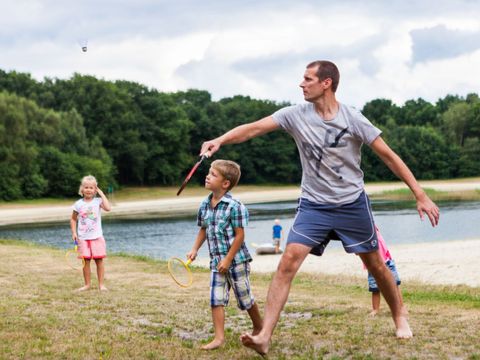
(449, 263)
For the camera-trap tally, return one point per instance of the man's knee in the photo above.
(291, 259)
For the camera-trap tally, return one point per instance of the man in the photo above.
(329, 136)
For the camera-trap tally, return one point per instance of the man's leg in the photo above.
(386, 283)
(277, 296)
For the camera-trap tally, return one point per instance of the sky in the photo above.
(397, 49)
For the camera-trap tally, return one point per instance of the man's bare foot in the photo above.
(256, 331)
(214, 344)
(374, 313)
(103, 288)
(84, 288)
(253, 342)
(403, 329)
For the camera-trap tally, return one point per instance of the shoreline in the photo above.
(436, 263)
(184, 206)
(442, 263)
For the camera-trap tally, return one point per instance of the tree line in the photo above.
(55, 131)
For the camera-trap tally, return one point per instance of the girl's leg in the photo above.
(100, 273)
(375, 303)
(218, 316)
(404, 308)
(86, 276)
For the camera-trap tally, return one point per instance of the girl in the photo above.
(91, 244)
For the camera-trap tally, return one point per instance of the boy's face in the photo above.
(215, 181)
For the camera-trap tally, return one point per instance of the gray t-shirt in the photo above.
(329, 150)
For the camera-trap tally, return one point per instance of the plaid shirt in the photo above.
(219, 224)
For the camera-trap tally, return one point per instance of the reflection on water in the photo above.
(399, 223)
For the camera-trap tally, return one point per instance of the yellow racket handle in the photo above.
(188, 262)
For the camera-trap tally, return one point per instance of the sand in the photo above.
(441, 263)
(448, 263)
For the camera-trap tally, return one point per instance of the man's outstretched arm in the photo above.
(399, 168)
(240, 134)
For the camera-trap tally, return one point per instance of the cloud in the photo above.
(439, 42)
(249, 47)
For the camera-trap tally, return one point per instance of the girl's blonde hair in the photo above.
(230, 170)
(85, 179)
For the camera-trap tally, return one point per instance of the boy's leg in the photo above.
(375, 303)
(257, 321)
(386, 283)
(86, 276)
(218, 317)
(277, 296)
(100, 273)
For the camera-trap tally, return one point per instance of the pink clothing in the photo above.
(382, 247)
(92, 249)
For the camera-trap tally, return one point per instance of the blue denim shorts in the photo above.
(316, 224)
(372, 284)
(237, 278)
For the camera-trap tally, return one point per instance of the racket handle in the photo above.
(188, 262)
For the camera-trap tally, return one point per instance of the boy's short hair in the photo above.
(230, 170)
(88, 178)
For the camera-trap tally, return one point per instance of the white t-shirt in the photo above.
(330, 150)
(89, 218)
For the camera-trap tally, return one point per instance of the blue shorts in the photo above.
(316, 224)
(372, 284)
(236, 278)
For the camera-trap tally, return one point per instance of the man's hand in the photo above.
(210, 146)
(427, 206)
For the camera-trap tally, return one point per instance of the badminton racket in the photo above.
(180, 271)
(73, 258)
(195, 167)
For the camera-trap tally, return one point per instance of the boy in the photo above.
(222, 220)
(277, 235)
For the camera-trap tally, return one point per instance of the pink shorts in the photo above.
(92, 249)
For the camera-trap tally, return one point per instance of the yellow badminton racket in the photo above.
(73, 258)
(180, 271)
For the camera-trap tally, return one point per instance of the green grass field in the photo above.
(146, 316)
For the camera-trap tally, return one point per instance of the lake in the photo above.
(398, 221)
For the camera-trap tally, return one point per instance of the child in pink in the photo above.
(372, 284)
(86, 226)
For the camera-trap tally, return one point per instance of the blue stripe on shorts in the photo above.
(316, 224)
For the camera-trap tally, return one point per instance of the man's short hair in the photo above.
(326, 69)
(230, 170)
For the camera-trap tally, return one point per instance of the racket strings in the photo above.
(180, 272)
(74, 259)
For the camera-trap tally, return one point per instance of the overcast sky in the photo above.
(398, 50)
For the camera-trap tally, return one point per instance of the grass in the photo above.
(146, 316)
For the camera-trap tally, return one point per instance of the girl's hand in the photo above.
(74, 237)
(100, 192)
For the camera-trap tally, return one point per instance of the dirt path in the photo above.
(188, 205)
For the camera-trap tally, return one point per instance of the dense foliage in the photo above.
(55, 131)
